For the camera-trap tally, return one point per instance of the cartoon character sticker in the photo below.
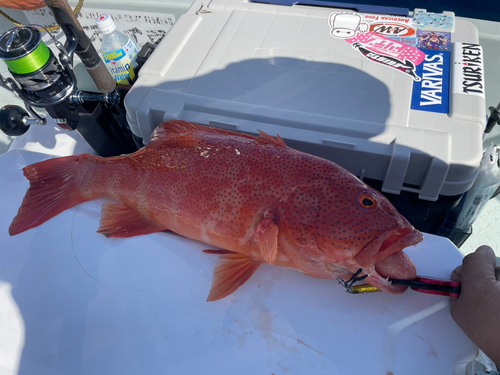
(346, 25)
(435, 40)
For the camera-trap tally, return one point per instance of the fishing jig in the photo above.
(420, 284)
(348, 285)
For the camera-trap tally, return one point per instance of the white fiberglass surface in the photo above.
(74, 301)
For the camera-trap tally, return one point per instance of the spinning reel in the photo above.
(41, 81)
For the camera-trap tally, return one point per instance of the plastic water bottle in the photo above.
(118, 50)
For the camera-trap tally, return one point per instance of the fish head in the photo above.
(347, 225)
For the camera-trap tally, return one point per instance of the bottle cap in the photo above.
(105, 24)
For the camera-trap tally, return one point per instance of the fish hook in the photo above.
(354, 278)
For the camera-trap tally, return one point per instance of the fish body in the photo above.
(254, 197)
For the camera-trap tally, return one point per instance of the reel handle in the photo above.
(12, 120)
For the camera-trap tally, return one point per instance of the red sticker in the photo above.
(393, 29)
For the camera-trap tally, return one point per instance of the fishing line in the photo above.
(25, 52)
(76, 11)
(31, 62)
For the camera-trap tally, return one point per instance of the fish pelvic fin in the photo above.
(219, 252)
(267, 237)
(278, 141)
(52, 190)
(231, 272)
(118, 220)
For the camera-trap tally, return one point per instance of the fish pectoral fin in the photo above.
(231, 272)
(267, 237)
(117, 220)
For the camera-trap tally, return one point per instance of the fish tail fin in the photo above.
(52, 190)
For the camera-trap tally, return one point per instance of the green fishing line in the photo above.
(31, 62)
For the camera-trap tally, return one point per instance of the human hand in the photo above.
(477, 309)
(22, 4)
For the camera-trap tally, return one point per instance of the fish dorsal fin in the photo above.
(267, 237)
(277, 141)
(173, 128)
(231, 272)
(117, 220)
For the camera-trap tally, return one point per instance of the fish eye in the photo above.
(367, 200)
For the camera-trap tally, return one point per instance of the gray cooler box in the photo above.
(396, 100)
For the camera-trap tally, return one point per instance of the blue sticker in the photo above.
(431, 93)
(424, 19)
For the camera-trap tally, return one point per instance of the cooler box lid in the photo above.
(393, 98)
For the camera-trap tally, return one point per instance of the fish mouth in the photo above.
(385, 258)
(396, 266)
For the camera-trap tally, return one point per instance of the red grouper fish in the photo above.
(254, 197)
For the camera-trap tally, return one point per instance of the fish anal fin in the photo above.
(231, 272)
(117, 220)
(277, 141)
(267, 237)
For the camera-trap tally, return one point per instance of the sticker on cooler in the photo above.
(402, 33)
(423, 19)
(468, 70)
(119, 62)
(391, 53)
(386, 18)
(346, 25)
(431, 94)
(397, 28)
(390, 29)
(434, 40)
